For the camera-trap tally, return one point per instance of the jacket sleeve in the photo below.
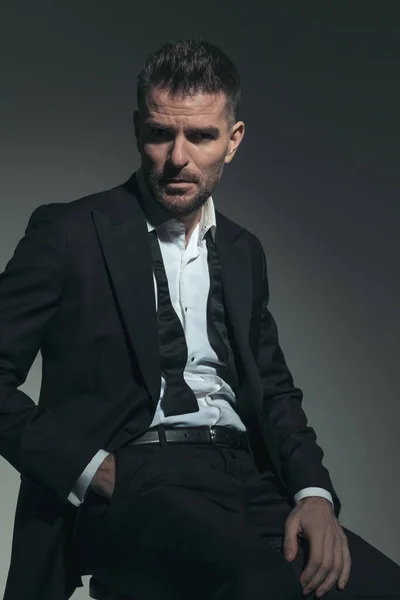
(299, 455)
(44, 450)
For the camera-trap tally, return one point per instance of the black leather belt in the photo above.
(217, 435)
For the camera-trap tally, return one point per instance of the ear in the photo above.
(236, 137)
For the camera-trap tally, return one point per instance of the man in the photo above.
(169, 455)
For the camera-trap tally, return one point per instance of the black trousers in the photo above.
(188, 521)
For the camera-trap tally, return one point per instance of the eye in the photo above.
(201, 136)
(157, 132)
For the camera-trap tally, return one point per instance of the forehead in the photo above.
(175, 108)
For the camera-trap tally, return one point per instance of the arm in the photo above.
(43, 448)
(81, 488)
(299, 456)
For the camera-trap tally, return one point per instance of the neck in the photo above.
(190, 222)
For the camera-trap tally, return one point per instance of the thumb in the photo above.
(290, 545)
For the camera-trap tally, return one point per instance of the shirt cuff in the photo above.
(80, 489)
(313, 491)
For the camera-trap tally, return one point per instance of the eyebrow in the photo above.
(208, 129)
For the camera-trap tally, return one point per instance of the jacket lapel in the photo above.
(236, 277)
(237, 285)
(124, 239)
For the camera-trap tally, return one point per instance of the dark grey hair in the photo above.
(186, 67)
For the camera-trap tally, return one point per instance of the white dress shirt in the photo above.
(189, 283)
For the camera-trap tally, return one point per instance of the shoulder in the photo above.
(255, 248)
(117, 203)
(62, 212)
(235, 229)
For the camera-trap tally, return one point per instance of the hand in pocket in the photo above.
(103, 482)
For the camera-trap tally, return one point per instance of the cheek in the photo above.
(155, 155)
(212, 167)
(213, 157)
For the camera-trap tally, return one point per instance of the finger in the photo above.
(335, 572)
(323, 565)
(290, 544)
(345, 574)
(316, 552)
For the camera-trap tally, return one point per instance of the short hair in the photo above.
(186, 67)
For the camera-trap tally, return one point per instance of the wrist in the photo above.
(105, 468)
(316, 501)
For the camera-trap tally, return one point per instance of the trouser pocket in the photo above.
(129, 460)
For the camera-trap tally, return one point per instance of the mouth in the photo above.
(176, 182)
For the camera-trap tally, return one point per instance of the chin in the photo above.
(180, 198)
(178, 207)
(179, 204)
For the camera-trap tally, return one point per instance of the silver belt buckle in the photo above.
(213, 433)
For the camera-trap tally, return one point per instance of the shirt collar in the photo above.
(157, 216)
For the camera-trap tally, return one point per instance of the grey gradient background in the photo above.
(316, 178)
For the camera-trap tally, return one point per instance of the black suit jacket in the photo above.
(79, 288)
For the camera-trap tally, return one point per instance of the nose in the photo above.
(178, 156)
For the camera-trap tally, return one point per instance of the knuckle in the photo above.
(344, 539)
(326, 566)
(319, 579)
(347, 563)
